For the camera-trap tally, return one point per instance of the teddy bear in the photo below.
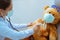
(47, 29)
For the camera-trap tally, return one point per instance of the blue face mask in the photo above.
(48, 18)
(10, 13)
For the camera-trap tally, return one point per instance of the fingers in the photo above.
(30, 24)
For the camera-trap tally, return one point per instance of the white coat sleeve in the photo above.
(10, 33)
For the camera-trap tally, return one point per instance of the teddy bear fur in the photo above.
(47, 31)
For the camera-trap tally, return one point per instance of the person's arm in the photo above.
(12, 34)
(20, 26)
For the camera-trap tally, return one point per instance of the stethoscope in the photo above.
(11, 24)
(32, 38)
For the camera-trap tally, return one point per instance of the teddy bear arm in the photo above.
(53, 33)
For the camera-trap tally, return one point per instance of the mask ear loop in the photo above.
(2, 13)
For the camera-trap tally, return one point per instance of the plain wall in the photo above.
(26, 11)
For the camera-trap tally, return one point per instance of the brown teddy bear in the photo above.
(47, 29)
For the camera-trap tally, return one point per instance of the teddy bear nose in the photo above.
(48, 18)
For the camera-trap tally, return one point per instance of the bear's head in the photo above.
(51, 15)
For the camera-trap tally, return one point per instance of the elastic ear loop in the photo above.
(2, 13)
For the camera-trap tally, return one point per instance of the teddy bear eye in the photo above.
(53, 14)
(49, 12)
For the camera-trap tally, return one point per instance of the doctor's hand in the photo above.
(35, 27)
(30, 24)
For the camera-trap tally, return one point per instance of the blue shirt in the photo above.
(7, 31)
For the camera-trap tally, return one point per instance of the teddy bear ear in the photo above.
(46, 7)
